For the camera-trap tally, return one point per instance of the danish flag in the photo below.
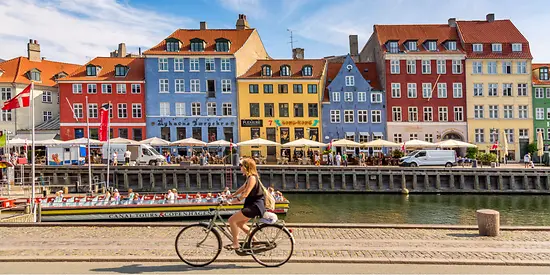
(495, 145)
(23, 99)
(104, 117)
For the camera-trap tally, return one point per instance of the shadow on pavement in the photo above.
(462, 235)
(138, 268)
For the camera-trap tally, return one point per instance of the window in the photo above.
(443, 113)
(6, 93)
(429, 137)
(163, 86)
(197, 45)
(348, 97)
(110, 110)
(394, 66)
(540, 130)
(411, 90)
(376, 97)
(363, 137)
(92, 110)
(479, 135)
(136, 88)
(226, 85)
(507, 67)
(47, 96)
(393, 47)
(428, 114)
(459, 113)
(493, 111)
(496, 47)
(523, 133)
(516, 47)
(509, 133)
(522, 111)
(441, 67)
(543, 73)
(120, 70)
(195, 109)
(285, 70)
(411, 45)
(426, 90)
(493, 89)
(494, 136)
(396, 90)
(547, 93)
(335, 96)
(376, 116)
(457, 66)
(172, 46)
(297, 88)
(77, 88)
(396, 114)
(121, 88)
(222, 45)
(477, 67)
(492, 67)
(227, 109)
(362, 96)
(507, 89)
(413, 136)
(508, 111)
(350, 80)
(122, 112)
(478, 89)
(253, 88)
(521, 67)
(209, 65)
(547, 113)
(413, 114)
(46, 115)
(298, 110)
(312, 110)
(350, 136)
(432, 46)
(457, 90)
(137, 111)
(477, 48)
(195, 85)
(442, 90)
(478, 111)
(283, 88)
(335, 116)
(307, 70)
(411, 66)
(92, 89)
(269, 109)
(522, 89)
(163, 64)
(397, 138)
(348, 116)
(77, 109)
(179, 85)
(194, 65)
(539, 113)
(254, 109)
(178, 64)
(426, 67)
(6, 115)
(266, 70)
(91, 70)
(225, 64)
(451, 45)
(106, 89)
(539, 92)
(211, 109)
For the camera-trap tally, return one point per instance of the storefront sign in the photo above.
(278, 122)
(252, 123)
(205, 122)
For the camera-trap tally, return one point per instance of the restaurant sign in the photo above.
(252, 123)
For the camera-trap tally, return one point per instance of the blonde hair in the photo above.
(249, 167)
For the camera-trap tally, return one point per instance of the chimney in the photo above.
(452, 22)
(298, 53)
(353, 45)
(242, 23)
(203, 25)
(490, 17)
(33, 50)
(121, 52)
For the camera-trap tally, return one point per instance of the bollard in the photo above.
(488, 222)
(27, 209)
(39, 213)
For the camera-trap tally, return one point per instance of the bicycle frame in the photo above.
(212, 223)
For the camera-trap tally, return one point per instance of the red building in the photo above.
(422, 69)
(118, 80)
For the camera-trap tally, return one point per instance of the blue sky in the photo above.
(78, 30)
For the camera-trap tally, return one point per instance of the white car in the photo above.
(445, 158)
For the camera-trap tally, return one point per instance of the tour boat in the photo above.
(146, 207)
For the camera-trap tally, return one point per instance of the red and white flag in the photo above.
(104, 122)
(495, 145)
(23, 99)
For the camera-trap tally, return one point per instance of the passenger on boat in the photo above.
(131, 194)
(209, 197)
(198, 198)
(116, 196)
(175, 191)
(171, 198)
(226, 191)
(58, 196)
(136, 199)
(107, 196)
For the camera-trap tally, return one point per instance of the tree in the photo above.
(532, 148)
(471, 152)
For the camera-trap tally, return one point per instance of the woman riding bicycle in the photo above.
(252, 194)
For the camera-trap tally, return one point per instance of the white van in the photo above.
(429, 157)
(142, 154)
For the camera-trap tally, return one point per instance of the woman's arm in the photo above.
(248, 187)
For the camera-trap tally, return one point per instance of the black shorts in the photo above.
(251, 211)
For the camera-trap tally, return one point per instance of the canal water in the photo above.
(416, 208)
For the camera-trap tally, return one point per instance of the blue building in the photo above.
(191, 87)
(354, 103)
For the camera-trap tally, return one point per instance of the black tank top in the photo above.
(256, 194)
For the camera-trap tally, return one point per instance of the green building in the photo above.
(541, 102)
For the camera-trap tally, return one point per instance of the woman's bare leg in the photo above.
(234, 222)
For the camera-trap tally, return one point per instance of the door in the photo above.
(523, 144)
(271, 134)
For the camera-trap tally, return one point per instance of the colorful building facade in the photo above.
(541, 101)
(353, 104)
(191, 81)
(279, 100)
(421, 67)
(498, 69)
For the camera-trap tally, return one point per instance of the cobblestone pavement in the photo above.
(316, 244)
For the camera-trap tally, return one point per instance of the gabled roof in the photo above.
(237, 39)
(535, 75)
(498, 31)
(136, 70)
(420, 33)
(296, 66)
(16, 69)
(367, 69)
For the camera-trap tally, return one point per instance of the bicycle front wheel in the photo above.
(271, 245)
(197, 245)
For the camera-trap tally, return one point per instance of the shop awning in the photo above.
(364, 134)
(378, 134)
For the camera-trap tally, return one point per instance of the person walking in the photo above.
(115, 158)
(127, 155)
(527, 160)
(330, 158)
(345, 159)
(338, 159)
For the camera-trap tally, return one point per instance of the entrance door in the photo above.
(523, 144)
(271, 134)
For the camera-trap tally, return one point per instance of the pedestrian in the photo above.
(345, 159)
(527, 159)
(127, 155)
(115, 158)
(338, 159)
(317, 159)
(330, 158)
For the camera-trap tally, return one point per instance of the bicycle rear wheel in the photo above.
(196, 245)
(271, 245)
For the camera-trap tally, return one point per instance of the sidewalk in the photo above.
(313, 245)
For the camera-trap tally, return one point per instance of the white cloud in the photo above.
(78, 30)
(252, 8)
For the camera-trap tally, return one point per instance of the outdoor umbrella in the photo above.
(18, 142)
(83, 141)
(155, 141)
(451, 143)
(346, 143)
(415, 143)
(47, 142)
(220, 143)
(381, 143)
(120, 140)
(258, 142)
(540, 145)
(304, 142)
(189, 142)
(505, 144)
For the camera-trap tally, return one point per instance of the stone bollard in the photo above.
(488, 222)
(27, 209)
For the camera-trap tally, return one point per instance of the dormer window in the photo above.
(91, 70)
(285, 70)
(266, 70)
(477, 48)
(197, 45)
(393, 47)
(34, 75)
(451, 45)
(496, 47)
(172, 45)
(60, 75)
(222, 45)
(517, 47)
(121, 70)
(543, 73)
(307, 70)
(1, 72)
(411, 46)
(431, 46)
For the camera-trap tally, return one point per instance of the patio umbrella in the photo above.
(304, 142)
(47, 142)
(346, 143)
(83, 141)
(18, 142)
(451, 143)
(155, 141)
(381, 143)
(258, 142)
(220, 143)
(505, 143)
(191, 142)
(540, 145)
(120, 140)
(415, 143)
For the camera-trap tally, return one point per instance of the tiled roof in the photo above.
(370, 74)
(136, 70)
(296, 66)
(15, 70)
(420, 33)
(535, 74)
(498, 31)
(52, 124)
(237, 39)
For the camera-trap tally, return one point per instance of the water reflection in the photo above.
(416, 209)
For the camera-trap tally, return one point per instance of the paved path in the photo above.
(344, 245)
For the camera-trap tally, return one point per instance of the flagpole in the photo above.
(89, 148)
(33, 170)
(108, 142)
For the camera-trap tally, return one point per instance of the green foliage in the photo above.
(397, 154)
(471, 153)
(326, 152)
(532, 148)
(486, 158)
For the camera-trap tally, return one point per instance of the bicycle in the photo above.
(203, 242)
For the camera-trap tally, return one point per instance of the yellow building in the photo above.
(279, 100)
(498, 77)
